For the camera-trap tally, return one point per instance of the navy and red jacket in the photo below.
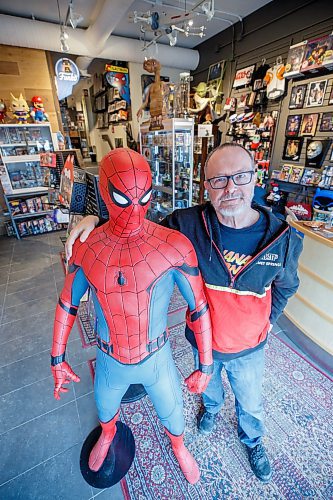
(241, 306)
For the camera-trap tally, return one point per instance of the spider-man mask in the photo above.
(125, 185)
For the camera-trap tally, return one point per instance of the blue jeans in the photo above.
(245, 375)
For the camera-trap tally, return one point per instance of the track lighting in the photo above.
(64, 47)
(172, 35)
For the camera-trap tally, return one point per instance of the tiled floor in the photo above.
(41, 438)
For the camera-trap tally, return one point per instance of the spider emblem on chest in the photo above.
(121, 279)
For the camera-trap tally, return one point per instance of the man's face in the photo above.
(232, 199)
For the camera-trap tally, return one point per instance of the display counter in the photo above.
(311, 309)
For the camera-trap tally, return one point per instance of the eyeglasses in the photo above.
(240, 179)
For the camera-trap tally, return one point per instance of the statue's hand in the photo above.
(62, 374)
(197, 381)
(82, 229)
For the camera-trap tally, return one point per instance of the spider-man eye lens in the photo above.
(146, 197)
(119, 198)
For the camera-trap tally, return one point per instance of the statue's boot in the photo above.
(186, 461)
(101, 448)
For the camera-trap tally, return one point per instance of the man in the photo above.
(248, 261)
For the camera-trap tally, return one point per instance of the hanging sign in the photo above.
(67, 75)
(243, 76)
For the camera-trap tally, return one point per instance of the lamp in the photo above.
(172, 35)
(64, 47)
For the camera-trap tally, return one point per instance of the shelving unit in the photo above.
(25, 183)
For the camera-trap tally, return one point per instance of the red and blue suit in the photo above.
(131, 266)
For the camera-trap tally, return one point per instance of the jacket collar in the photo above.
(275, 226)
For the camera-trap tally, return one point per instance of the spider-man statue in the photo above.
(131, 266)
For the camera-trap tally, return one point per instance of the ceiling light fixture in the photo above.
(172, 35)
(64, 47)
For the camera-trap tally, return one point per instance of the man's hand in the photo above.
(83, 229)
(62, 374)
(197, 381)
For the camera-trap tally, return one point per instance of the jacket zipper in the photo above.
(233, 278)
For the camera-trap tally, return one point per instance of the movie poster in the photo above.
(118, 78)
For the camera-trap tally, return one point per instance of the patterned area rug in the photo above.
(298, 402)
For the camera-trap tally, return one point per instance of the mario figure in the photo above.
(131, 266)
(37, 110)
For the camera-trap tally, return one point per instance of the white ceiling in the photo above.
(226, 12)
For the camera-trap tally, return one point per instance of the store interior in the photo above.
(172, 81)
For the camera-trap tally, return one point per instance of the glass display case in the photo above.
(170, 154)
(20, 148)
(201, 149)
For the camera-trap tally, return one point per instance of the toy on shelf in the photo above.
(20, 109)
(37, 111)
(274, 195)
(3, 111)
(202, 101)
(326, 178)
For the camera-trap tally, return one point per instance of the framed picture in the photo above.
(293, 125)
(318, 54)
(294, 60)
(216, 71)
(315, 152)
(297, 96)
(316, 94)
(292, 149)
(309, 124)
(326, 124)
(330, 100)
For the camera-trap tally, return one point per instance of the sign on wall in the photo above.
(243, 76)
(67, 75)
(117, 77)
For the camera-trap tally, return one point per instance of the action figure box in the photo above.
(318, 54)
(285, 172)
(296, 174)
(294, 60)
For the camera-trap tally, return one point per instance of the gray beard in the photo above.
(229, 212)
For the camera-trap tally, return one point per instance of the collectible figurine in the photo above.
(201, 101)
(154, 96)
(274, 196)
(37, 111)
(3, 111)
(131, 265)
(20, 109)
(326, 178)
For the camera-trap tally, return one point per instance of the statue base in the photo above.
(117, 462)
(134, 393)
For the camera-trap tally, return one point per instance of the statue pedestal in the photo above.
(117, 462)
